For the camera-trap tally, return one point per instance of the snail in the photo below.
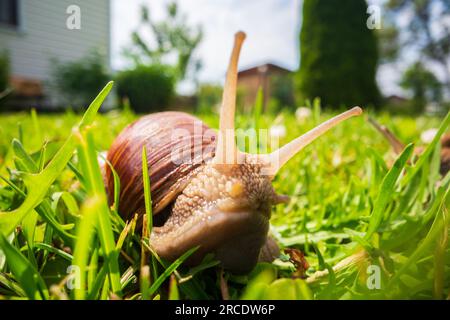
(398, 146)
(221, 199)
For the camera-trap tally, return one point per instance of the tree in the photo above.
(172, 36)
(339, 53)
(427, 30)
(423, 85)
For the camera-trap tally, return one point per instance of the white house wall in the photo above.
(43, 35)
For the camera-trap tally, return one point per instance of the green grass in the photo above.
(355, 208)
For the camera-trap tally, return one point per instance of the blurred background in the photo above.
(389, 55)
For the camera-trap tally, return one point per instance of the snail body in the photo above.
(205, 192)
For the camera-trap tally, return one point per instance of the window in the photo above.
(9, 13)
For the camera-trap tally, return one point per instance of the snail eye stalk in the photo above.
(226, 151)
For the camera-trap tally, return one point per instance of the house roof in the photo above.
(263, 68)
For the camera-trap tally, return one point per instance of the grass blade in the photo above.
(158, 282)
(94, 186)
(85, 234)
(439, 223)
(429, 149)
(38, 184)
(24, 272)
(387, 190)
(147, 194)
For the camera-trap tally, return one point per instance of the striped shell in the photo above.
(169, 137)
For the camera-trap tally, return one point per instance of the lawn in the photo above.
(370, 224)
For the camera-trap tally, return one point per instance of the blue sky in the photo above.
(272, 28)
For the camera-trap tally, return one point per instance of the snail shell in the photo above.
(172, 159)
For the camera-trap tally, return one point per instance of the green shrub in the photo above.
(78, 82)
(4, 71)
(148, 88)
(209, 96)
